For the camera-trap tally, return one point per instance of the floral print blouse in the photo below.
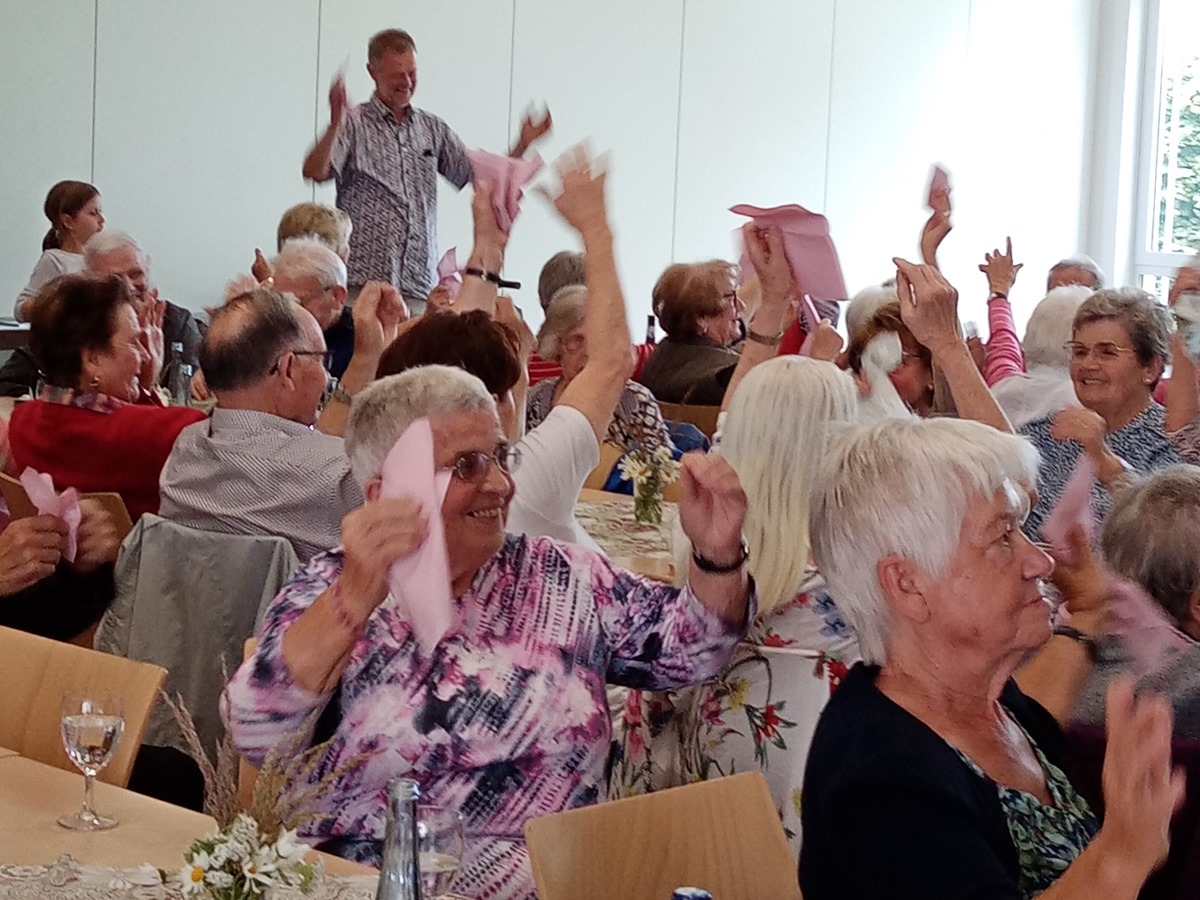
(757, 714)
(1047, 838)
(505, 721)
(637, 421)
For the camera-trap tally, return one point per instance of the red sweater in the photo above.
(122, 451)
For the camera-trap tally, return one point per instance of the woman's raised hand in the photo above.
(375, 536)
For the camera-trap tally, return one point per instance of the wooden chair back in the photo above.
(37, 671)
(247, 774)
(722, 835)
(609, 454)
(21, 507)
(703, 417)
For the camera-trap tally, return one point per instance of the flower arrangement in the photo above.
(650, 471)
(256, 849)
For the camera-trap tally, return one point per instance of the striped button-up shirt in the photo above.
(386, 175)
(248, 472)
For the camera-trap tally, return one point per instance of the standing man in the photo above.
(385, 156)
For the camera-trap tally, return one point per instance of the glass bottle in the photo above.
(651, 340)
(400, 874)
(181, 377)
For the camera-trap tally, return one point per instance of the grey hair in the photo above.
(864, 304)
(309, 257)
(1080, 261)
(105, 242)
(383, 410)
(1146, 320)
(1051, 325)
(1151, 534)
(903, 487)
(247, 336)
(564, 313)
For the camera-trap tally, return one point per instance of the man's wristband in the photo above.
(704, 564)
(1091, 644)
(341, 395)
(764, 339)
(493, 277)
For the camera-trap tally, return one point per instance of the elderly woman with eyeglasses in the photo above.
(699, 308)
(506, 718)
(1118, 349)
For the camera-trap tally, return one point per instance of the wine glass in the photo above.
(440, 847)
(92, 724)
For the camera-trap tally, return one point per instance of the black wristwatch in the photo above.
(704, 564)
(1091, 644)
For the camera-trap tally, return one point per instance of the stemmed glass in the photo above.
(92, 724)
(440, 845)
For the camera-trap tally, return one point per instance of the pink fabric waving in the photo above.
(420, 583)
(810, 252)
(448, 274)
(1074, 507)
(40, 488)
(507, 177)
(939, 187)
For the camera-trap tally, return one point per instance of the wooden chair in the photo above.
(36, 672)
(247, 774)
(703, 417)
(609, 454)
(721, 835)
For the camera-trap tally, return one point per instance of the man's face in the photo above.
(395, 77)
(127, 263)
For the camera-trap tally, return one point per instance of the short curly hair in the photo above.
(72, 314)
(688, 292)
(472, 341)
(1145, 319)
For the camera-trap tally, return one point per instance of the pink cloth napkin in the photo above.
(420, 583)
(809, 248)
(40, 488)
(939, 187)
(449, 275)
(1074, 507)
(507, 177)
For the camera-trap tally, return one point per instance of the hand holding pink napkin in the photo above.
(420, 583)
(65, 506)
(507, 177)
(448, 273)
(810, 252)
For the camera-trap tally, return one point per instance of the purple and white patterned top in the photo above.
(507, 720)
(386, 174)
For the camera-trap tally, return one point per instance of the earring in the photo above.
(94, 382)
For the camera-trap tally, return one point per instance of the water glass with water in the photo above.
(92, 725)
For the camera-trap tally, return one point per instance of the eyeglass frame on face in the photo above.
(505, 456)
(326, 359)
(313, 294)
(1104, 351)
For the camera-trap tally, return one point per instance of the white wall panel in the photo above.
(609, 73)
(46, 56)
(754, 115)
(464, 64)
(895, 108)
(203, 114)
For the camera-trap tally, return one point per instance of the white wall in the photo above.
(193, 119)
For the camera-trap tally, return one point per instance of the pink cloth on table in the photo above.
(1004, 356)
(939, 185)
(65, 506)
(449, 275)
(507, 178)
(810, 252)
(420, 582)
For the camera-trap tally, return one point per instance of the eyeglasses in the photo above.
(473, 466)
(1105, 351)
(311, 295)
(326, 358)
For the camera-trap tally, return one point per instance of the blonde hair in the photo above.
(775, 434)
(330, 226)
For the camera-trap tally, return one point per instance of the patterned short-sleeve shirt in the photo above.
(386, 175)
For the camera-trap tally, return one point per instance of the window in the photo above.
(1168, 233)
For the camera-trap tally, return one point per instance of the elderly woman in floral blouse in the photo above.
(506, 717)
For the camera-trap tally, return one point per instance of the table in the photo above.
(645, 549)
(14, 336)
(33, 795)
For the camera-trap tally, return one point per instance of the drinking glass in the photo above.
(440, 847)
(92, 724)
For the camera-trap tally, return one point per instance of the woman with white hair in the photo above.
(506, 717)
(1045, 387)
(636, 422)
(931, 774)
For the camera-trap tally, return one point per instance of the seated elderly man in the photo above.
(1150, 539)
(931, 775)
(116, 253)
(258, 466)
(505, 716)
(308, 269)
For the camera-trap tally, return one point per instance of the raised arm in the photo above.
(1183, 395)
(487, 256)
(1004, 355)
(597, 388)
(929, 308)
(318, 165)
(531, 133)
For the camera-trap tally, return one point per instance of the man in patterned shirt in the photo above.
(384, 156)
